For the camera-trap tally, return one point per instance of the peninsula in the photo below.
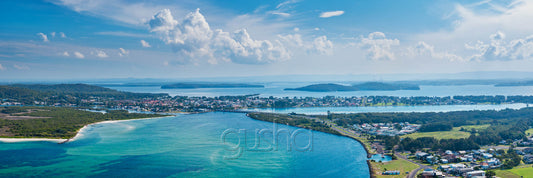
(367, 86)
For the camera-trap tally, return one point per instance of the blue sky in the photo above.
(181, 39)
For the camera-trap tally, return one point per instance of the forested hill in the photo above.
(368, 86)
(26, 91)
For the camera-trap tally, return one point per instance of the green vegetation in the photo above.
(526, 172)
(296, 121)
(370, 86)
(396, 165)
(378, 86)
(27, 94)
(453, 134)
(506, 174)
(529, 132)
(210, 85)
(56, 122)
(324, 88)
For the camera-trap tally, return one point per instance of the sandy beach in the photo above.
(78, 134)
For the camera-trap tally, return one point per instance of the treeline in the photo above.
(296, 121)
(27, 94)
(434, 127)
(58, 122)
(455, 118)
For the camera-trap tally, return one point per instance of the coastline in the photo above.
(79, 133)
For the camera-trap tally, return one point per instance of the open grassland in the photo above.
(526, 172)
(455, 133)
(506, 174)
(394, 165)
(529, 132)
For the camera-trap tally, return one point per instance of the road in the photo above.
(412, 173)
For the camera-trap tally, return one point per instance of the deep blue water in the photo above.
(185, 146)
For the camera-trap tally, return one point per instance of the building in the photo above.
(474, 173)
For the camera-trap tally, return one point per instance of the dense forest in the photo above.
(55, 122)
(507, 125)
(65, 93)
(297, 121)
(370, 86)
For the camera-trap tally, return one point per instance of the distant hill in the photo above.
(511, 84)
(368, 86)
(79, 90)
(324, 88)
(209, 85)
(385, 86)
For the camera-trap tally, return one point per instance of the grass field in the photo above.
(477, 127)
(526, 172)
(454, 133)
(506, 174)
(529, 132)
(395, 165)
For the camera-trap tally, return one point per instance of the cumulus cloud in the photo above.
(66, 54)
(62, 35)
(2, 67)
(145, 44)
(320, 45)
(122, 52)
(193, 38)
(500, 49)
(79, 55)
(331, 14)
(53, 34)
(100, 54)
(43, 37)
(378, 46)
(426, 50)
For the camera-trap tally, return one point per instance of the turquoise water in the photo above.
(433, 108)
(184, 146)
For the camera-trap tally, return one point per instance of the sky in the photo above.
(62, 39)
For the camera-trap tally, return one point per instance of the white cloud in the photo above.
(79, 55)
(100, 54)
(322, 45)
(66, 54)
(62, 35)
(19, 67)
(422, 49)
(283, 14)
(43, 37)
(319, 45)
(53, 34)
(145, 44)
(2, 67)
(331, 14)
(122, 52)
(192, 38)
(499, 49)
(378, 46)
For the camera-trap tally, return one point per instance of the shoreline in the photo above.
(77, 136)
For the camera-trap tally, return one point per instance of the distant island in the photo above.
(368, 86)
(209, 85)
(512, 84)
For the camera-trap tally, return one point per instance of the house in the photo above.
(444, 161)
(430, 173)
(462, 152)
(421, 155)
(484, 165)
(486, 155)
(528, 159)
(474, 173)
(444, 167)
(448, 152)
